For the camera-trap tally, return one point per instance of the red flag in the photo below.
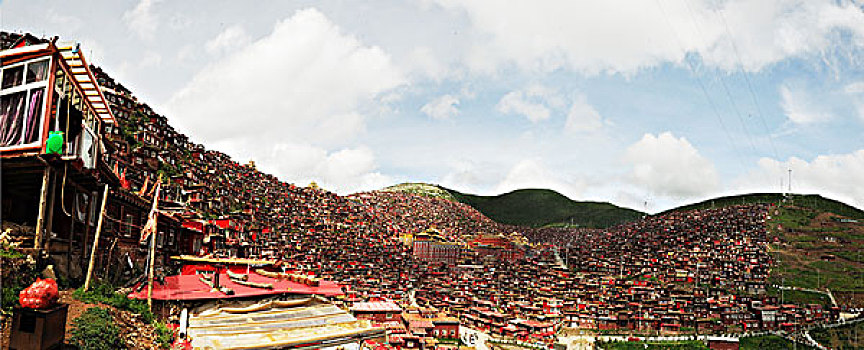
(150, 226)
(123, 181)
(143, 189)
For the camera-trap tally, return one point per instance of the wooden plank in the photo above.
(96, 239)
(43, 204)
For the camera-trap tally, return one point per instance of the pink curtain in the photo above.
(11, 119)
(36, 71)
(31, 131)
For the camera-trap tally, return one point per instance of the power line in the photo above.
(746, 75)
(723, 83)
(702, 85)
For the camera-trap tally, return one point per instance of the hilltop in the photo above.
(422, 189)
(542, 207)
(530, 207)
(811, 201)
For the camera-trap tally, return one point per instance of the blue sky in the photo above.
(646, 104)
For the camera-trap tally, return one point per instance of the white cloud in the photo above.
(801, 108)
(422, 61)
(670, 166)
(443, 107)
(837, 176)
(582, 117)
(305, 81)
(854, 88)
(533, 102)
(71, 23)
(624, 36)
(855, 91)
(344, 171)
(859, 107)
(150, 59)
(141, 19)
(515, 102)
(532, 173)
(304, 84)
(232, 38)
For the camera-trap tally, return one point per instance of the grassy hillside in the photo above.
(810, 201)
(814, 249)
(539, 207)
(850, 336)
(813, 245)
(421, 189)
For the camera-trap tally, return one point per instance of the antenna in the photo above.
(790, 180)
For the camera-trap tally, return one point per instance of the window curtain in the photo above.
(36, 71)
(31, 131)
(13, 77)
(12, 117)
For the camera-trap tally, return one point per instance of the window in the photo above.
(37, 71)
(21, 102)
(13, 77)
(88, 148)
(127, 229)
(171, 237)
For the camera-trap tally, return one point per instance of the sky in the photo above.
(645, 104)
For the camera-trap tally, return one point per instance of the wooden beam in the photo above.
(49, 225)
(96, 239)
(87, 222)
(71, 235)
(43, 207)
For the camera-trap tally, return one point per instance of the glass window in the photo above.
(33, 116)
(13, 76)
(128, 229)
(37, 71)
(88, 148)
(19, 120)
(11, 117)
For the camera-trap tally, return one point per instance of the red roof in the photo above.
(189, 287)
(420, 324)
(536, 324)
(377, 306)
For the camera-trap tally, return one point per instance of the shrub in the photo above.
(164, 335)
(95, 330)
(103, 293)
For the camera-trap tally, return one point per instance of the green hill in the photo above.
(816, 243)
(421, 189)
(809, 201)
(540, 207)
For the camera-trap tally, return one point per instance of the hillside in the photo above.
(817, 249)
(541, 207)
(402, 212)
(811, 201)
(421, 189)
(816, 245)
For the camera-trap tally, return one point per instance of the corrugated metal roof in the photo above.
(263, 326)
(377, 306)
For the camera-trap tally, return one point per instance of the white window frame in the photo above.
(27, 87)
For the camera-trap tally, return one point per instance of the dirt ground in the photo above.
(135, 333)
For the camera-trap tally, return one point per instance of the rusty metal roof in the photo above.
(267, 325)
